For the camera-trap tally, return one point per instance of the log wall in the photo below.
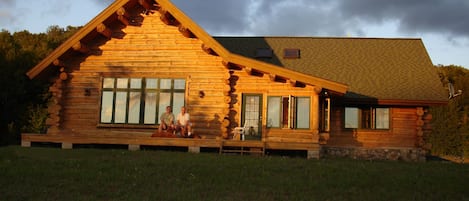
(155, 49)
(406, 122)
(150, 50)
(248, 84)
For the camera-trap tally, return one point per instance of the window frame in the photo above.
(264, 53)
(366, 118)
(143, 90)
(291, 111)
(291, 53)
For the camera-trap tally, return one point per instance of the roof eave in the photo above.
(85, 30)
(413, 102)
(200, 33)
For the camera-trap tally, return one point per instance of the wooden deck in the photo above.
(134, 142)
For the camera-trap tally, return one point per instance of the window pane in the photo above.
(151, 83)
(108, 83)
(122, 83)
(273, 112)
(136, 83)
(382, 118)
(302, 112)
(150, 108)
(366, 118)
(351, 117)
(134, 108)
(165, 100)
(106, 107)
(165, 84)
(179, 84)
(121, 104)
(252, 113)
(264, 52)
(178, 102)
(124, 103)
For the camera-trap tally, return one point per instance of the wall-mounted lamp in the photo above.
(201, 94)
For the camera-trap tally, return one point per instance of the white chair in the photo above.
(239, 132)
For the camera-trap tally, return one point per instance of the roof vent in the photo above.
(291, 53)
(264, 53)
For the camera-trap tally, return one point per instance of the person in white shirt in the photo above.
(183, 123)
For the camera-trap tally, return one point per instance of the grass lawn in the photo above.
(40, 173)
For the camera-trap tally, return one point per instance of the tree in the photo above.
(450, 135)
(19, 96)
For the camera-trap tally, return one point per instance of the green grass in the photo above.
(116, 174)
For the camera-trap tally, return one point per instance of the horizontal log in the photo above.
(123, 19)
(122, 12)
(80, 47)
(63, 76)
(185, 32)
(104, 30)
(59, 63)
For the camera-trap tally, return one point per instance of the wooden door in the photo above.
(251, 115)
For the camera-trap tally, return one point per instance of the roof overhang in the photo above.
(198, 32)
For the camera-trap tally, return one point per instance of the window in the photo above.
(264, 53)
(291, 53)
(326, 115)
(139, 100)
(367, 118)
(288, 112)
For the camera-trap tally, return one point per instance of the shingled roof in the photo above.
(389, 70)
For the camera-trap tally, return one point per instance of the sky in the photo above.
(443, 25)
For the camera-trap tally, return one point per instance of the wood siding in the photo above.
(248, 84)
(403, 130)
(157, 50)
(150, 50)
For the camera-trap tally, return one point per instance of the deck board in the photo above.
(135, 141)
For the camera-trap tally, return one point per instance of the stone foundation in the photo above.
(393, 154)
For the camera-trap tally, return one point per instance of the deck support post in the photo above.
(66, 145)
(25, 143)
(194, 150)
(313, 154)
(134, 147)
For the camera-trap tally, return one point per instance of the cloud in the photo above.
(6, 16)
(328, 18)
(57, 8)
(219, 16)
(414, 16)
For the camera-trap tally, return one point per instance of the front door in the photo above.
(251, 116)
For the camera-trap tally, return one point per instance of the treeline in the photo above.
(22, 101)
(450, 134)
(20, 97)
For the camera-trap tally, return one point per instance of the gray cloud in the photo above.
(328, 18)
(414, 16)
(7, 3)
(6, 16)
(218, 16)
(57, 7)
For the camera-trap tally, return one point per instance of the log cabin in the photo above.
(327, 96)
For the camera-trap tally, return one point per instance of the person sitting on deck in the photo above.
(167, 121)
(183, 123)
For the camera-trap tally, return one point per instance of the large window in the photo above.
(288, 112)
(367, 118)
(139, 100)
